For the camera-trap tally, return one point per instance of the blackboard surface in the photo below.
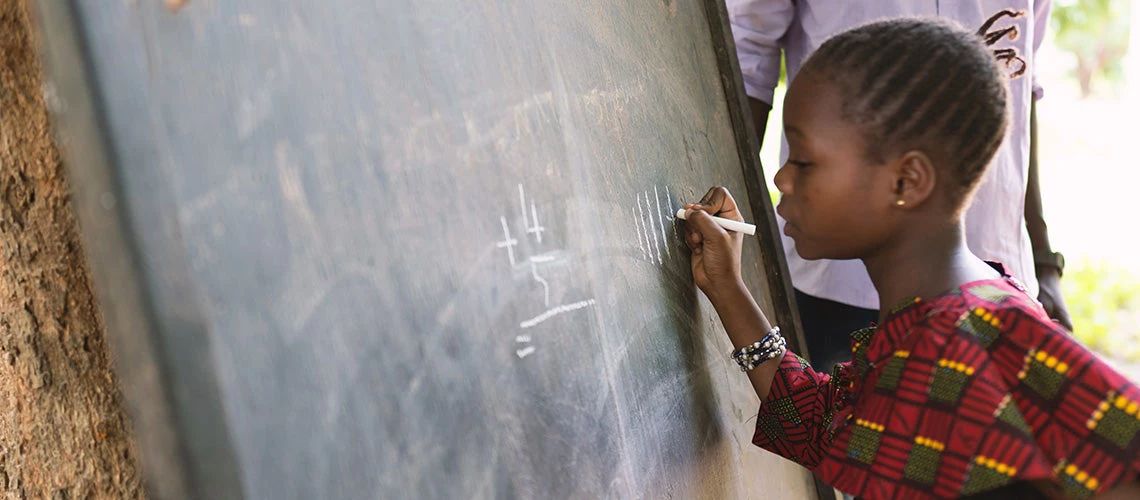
(413, 249)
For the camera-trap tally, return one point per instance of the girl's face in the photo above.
(836, 203)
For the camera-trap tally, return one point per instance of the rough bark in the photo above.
(63, 433)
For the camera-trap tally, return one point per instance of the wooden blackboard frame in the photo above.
(173, 449)
(172, 446)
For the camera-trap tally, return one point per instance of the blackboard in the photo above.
(398, 249)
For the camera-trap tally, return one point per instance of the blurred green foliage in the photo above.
(1104, 301)
(1096, 33)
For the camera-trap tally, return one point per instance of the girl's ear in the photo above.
(915, 177)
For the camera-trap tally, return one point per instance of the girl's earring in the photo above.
(900, 203)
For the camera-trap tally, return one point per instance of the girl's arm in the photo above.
(800, 402)
(716, 270)
(745, 324)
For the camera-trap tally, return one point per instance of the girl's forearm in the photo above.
(745, 323)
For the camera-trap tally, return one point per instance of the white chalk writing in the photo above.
(555, 311)
(537, 228)
(539, 272)
(508, 242)
(661, 221)
(545, 285)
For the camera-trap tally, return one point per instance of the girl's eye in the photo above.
(799, 164)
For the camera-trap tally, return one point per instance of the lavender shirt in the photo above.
(995, 222)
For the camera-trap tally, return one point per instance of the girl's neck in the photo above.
(925, 263)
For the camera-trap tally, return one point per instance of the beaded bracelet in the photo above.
(767, 342)
(752, 355)
(750, 362)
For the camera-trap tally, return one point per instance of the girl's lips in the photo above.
(780, 209)
(789, 226)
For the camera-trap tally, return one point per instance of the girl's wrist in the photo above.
(741, 316)
(729, 295)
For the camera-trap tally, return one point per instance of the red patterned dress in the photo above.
(968, 392)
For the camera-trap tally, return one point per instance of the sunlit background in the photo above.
(1089, 132)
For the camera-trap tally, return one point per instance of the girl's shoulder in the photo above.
(1039, 401)
(996, 320)
(984, 311)
(1001, 313)
(979, 312)
(992, 316)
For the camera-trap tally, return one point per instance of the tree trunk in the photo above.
(64, 433)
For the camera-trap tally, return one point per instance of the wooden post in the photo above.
(63, 432)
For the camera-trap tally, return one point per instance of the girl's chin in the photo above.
(808, 252)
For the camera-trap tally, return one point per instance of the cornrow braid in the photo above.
(920, 84)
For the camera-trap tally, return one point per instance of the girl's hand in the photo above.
(715, 251)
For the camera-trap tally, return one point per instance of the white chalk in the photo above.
(729, 224)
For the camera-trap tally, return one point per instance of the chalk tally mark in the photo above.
(653, 228)
(672, 216)
(652, 216)
(661, 221)
(637, 229)
(644, 231)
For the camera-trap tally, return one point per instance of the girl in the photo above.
(964, 389)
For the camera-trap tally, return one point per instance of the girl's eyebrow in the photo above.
(795, 134)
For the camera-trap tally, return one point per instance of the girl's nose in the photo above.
(783, 179)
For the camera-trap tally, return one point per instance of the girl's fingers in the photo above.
(721, 204)
(703, 226)
(692, 237)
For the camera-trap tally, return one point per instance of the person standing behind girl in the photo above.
(1005, 222)
(967, 387)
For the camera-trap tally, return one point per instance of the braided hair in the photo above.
(920, 84)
